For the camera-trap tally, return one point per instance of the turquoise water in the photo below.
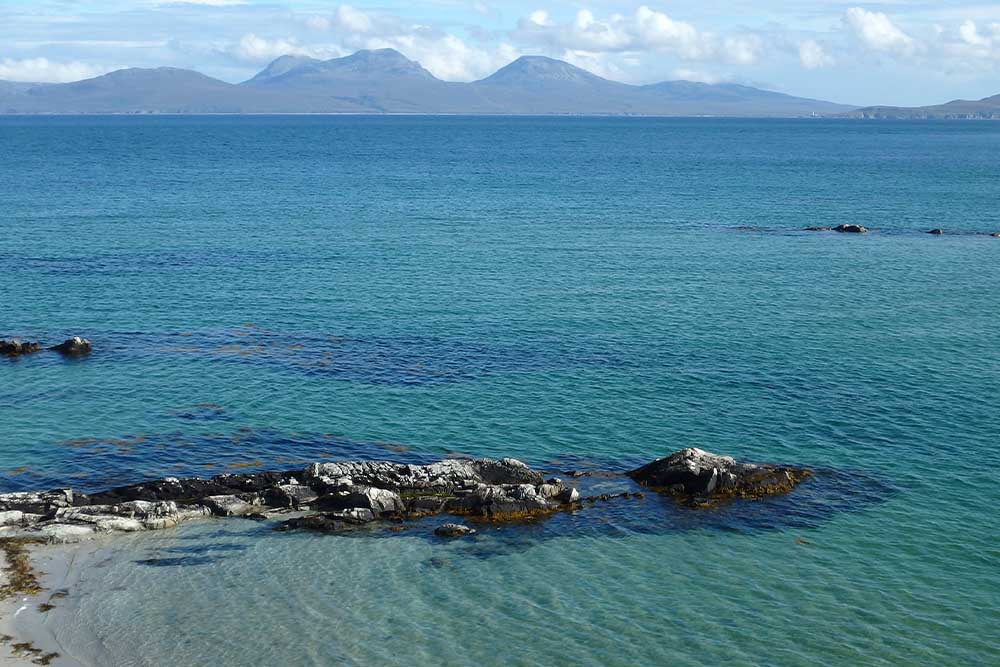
(573, 292)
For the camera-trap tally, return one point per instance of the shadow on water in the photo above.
(375, 360)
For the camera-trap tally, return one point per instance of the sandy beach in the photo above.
(25, 638)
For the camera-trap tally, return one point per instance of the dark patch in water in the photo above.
(208, 548)
(102, 463)
(203, 412)
(183, 561)
(386, 360)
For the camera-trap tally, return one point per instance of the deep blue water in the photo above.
(265, 291)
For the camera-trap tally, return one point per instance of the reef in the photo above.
(344, 495)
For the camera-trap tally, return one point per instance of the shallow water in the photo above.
(574, 292)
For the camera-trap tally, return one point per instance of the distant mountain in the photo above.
(385, 81)
(986, 108)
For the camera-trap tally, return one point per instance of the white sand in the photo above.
(20, 617)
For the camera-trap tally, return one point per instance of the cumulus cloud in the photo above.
(877, 32)
(644, 30)
(812, 55)
(43, 70)
(258, 50)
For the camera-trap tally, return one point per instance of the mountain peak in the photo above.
(283, 65)
(367, 64)
(528, 69)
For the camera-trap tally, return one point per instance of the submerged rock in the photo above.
(936, 232)
(818, 229)
(73, 347)
(15, 348)
(694, 472)
(995, 235)
(454, 530)
(851, 229)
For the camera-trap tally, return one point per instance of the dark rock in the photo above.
(693, 472)
(454, 530)
(329, 522)
(15, 348)
(936, 232)
(381, 502)
(995, 235)
(289, 495)
(851, 229)
(43, 502)
(73, 347)
(818, 229)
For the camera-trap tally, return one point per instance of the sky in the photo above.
(895, 52)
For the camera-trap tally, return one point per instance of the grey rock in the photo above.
(851, 229)
(936, 232)
(441, 476)
(37, 502)
(11, 518)
(230, 505)
(818, 229)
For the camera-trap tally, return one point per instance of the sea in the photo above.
(578, 293)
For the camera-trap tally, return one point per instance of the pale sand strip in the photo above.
(20, 617)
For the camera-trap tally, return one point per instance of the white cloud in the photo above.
(698, 76)
(43, 70)
(645, 30)
(812, 55)
(353, 19)
(877, 32)
(258, 50)
(742, 49)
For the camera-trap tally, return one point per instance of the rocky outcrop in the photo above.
(345, 495)
(936, 232)
(995, 235)
(851, 229)
(454, 530)
(73, 347)
(15, 348)
(693, 472)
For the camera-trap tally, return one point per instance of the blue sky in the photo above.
(895, 52)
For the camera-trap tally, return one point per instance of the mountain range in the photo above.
(385, 81)
(986, 108)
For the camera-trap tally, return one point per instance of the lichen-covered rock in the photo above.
(454, 530)
(694, 472)
(15, 348)
(11, 518)
(73, 347)
(851, 229)
(441, 476)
